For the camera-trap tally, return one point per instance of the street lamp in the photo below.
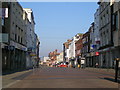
(116, 68)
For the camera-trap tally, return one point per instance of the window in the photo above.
(104, 21)
(18, 39)
(115, 21)
(101, 24)
(107, 37)
(113, 17)
(15, 37)
(13, 12)
(16, 27)
(101, 39)
(21, 39)
(3, 23)
(13, 4)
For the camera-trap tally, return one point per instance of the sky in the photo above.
(58, 21)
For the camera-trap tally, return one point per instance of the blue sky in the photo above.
(58, 21)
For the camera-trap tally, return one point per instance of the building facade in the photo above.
(66, 50)
(30, 37)
(60, 58)
(78, 49)
(96, 36)
(116, 29)
(106, 35)
(86, 49)
(14, 51)
(18, 28)
(53, 57)
(72, 47)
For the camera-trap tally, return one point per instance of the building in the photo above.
(106, 35)
(93, 45)
(45, 59)
(78, 49)
(116, 29)
(30, 37)
(21, 46)
(72, 57)
(96, 29)
(86, 49)
(96, 37)
(66, 55)
(60, 58)
(53, 57)
(37, 50)
(13, 24)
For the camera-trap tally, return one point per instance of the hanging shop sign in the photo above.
(32, 54)
(97, 53)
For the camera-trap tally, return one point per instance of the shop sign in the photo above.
(92, 53)
(24, 49)
(97, 53)
(32, 54)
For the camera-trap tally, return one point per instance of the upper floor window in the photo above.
(21, 40)
(115, 21)
(13, 4)
(3, 21)
(18, 39)
(15, 37)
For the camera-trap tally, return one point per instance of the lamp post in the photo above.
(116, 69)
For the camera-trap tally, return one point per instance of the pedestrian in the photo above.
(96, 65)
(33, 66)
(78, 65)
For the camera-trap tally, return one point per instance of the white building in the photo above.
(66, 50)
(72, 49)
(60, 57)
(45, 59)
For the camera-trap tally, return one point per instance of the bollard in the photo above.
(116, 69)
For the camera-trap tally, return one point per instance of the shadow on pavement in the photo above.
(111, 79)
(14, 71)
(20, 77)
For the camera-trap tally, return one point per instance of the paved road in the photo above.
(51, 77)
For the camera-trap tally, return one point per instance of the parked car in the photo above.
(63, 65)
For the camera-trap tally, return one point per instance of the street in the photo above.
(52, 77)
